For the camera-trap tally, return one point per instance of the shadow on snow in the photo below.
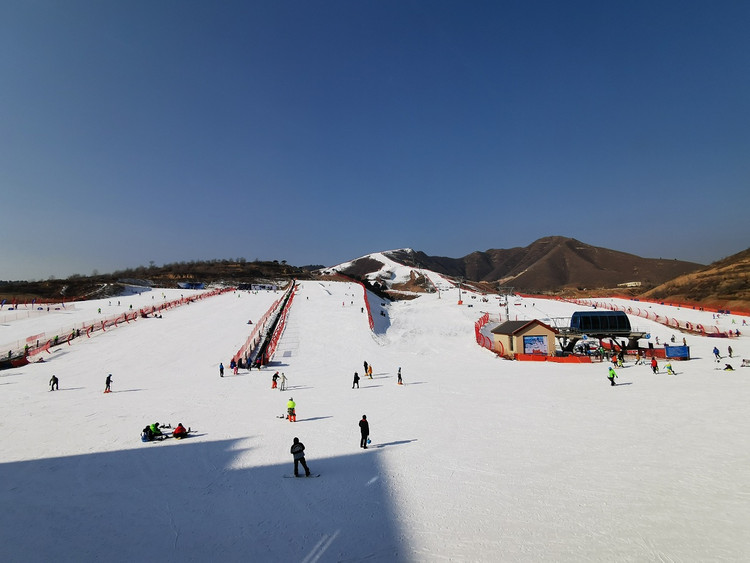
(187, 502)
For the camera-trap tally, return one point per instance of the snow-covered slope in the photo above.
(473, 459)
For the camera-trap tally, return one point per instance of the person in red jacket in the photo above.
(180, 431)
(654, 365)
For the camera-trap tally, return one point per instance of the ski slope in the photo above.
(474, 458)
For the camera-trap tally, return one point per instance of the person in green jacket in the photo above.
(612, 375)
(290, 406)
(156, 432)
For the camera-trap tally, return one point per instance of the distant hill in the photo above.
(549, 265)
(209, 272)
(722, 285)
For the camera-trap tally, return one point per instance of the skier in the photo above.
(400, 382)
(54, 383)
(221, 369)
(180, 431)
(654, 365)
(364, 430)
(108, 383)
(716, 354)
(356, 380)
(669, 369)
(611, 375)
(283, 382)
(290, 409)
(274, 379)
(298, 451)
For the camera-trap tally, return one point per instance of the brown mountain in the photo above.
(723, 285)
(549, 265)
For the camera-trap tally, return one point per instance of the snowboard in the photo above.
(301, 476)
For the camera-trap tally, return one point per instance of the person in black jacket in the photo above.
(364, 430)
(298, 451)
(356, 380)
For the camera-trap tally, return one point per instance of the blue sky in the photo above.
(316, 132)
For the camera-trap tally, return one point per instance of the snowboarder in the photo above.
(669, 369)
(364, 430)
(654, 365)
(356, 380)
(400, 382)
(365, 364)
(369, 371)
(282, 387)
(108, 383)
(290, 410)
(180, 431)
(716, 354)
(728, 367)
(611, 375)
(298, 451)
(54, 383)
(274, 379)
(221, 369)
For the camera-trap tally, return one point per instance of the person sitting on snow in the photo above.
(180, 431)
(156, 432)
(728, 367)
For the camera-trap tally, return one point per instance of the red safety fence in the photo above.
(684, 326)
(482, 339)
(42, 343)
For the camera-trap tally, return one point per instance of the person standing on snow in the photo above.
(356, 380)
(611, 375)
(282, 387)
(400, 382)
(298, 451)
(365, 364)
(716, 354)
(290, 410)
(221, 369)
(274, 379)
(364, 430)
(654, 365)
(54, 383)
(369, 371)
(729, 349)
(108, 383)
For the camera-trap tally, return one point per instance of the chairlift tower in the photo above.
(506, 291)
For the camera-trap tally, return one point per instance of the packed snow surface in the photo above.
(474, 458)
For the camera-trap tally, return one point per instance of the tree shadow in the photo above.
(192, 500)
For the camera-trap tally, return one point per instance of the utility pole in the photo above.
(507, 292)
(460, 281)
